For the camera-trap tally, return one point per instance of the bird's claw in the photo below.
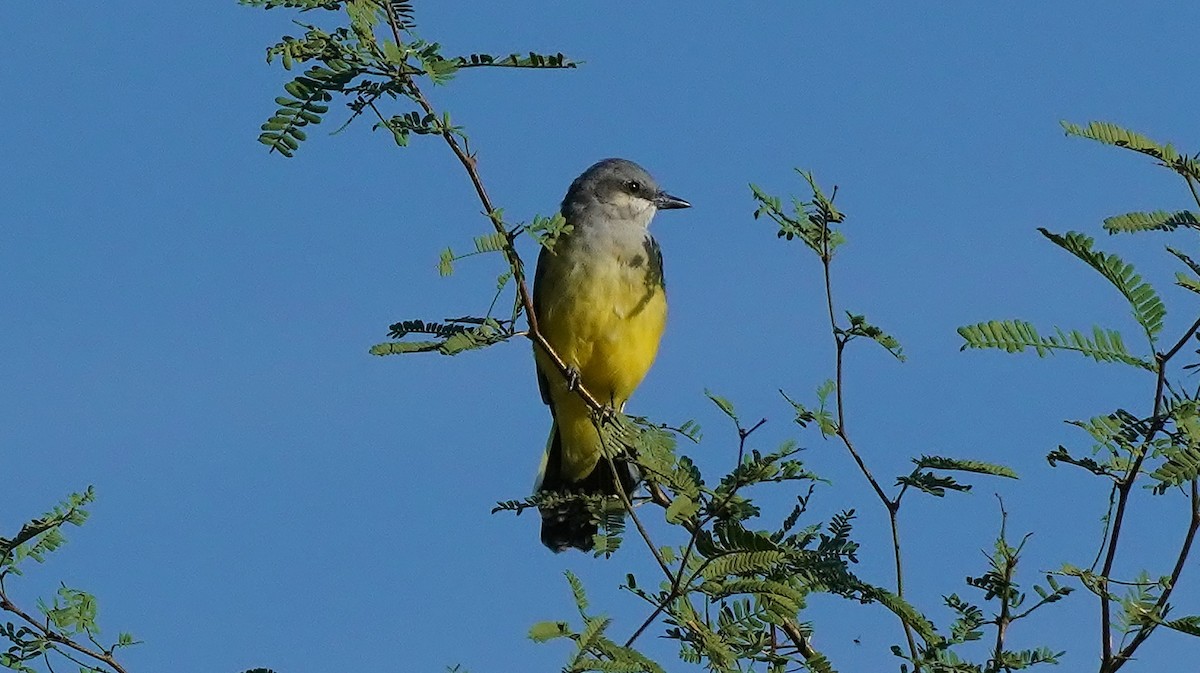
(572, 376)
(606, 414)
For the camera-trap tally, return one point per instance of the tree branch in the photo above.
(1189, 538)
(510, 252)
(55, 637)
(1108, 662)
(892, 505)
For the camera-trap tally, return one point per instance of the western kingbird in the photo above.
(600, 301)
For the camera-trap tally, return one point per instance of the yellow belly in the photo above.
(608, 328)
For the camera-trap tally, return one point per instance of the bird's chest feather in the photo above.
(607, 310)
(611, 293)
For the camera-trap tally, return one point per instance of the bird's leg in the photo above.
(572, 377)
(606, 414)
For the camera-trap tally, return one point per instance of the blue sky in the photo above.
(187, 318)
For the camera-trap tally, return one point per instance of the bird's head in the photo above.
(618, 189)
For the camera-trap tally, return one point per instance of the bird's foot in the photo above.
(572, 377)
(606, 414)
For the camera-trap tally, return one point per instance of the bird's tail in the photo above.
(570, 524)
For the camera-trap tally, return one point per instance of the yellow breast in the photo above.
(605, 318)
(608, 327)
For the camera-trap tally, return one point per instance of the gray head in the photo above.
(617, 190)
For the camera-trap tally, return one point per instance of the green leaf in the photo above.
(457, 335)
(619, 659)
(743, 562)
(1194, 266)
(302, 5)
(609, 515)
(447, 329)
(1115, 433)
(960, 465)
(310, 92)
(445, 263)
(681, 509)
(1015, 661)
(42, 535)
(494, 242)
(1111, 134)
(1187, 282)
(966, 627)
(1015, 336)
(401, 347)
(1182, 466)
(1183, 280)
(1061, 455)
(544, 631)
(723, 404)
(691, 430)
(860, 327)
(593, 631)
(1189, 625)
(1138, 604)
(905, 611)
(822, 416)
(818, 663)
(930, 483)
(547, 230)
(487, 334)
(1148, 309)
(581, 601)
(315, 44)
(440, 70)
(810, 221)
(533, 60)
(1158, 220)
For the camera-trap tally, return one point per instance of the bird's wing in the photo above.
(538, 279)
(655, 274)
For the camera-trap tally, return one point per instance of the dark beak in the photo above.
(665, 201)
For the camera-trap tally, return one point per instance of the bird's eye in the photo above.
(633, 186)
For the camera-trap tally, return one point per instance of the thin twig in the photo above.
(1124, 487)
(1112, 500)
(803, 647)
(695, 528)
(798, 639)
(1004, 618)
(658, 610)
(1189, 538)
(633, 514)
(892, 505)
(1109, 663)
(510, 252)
(1192, 186)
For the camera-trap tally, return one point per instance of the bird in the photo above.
(599, 298)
